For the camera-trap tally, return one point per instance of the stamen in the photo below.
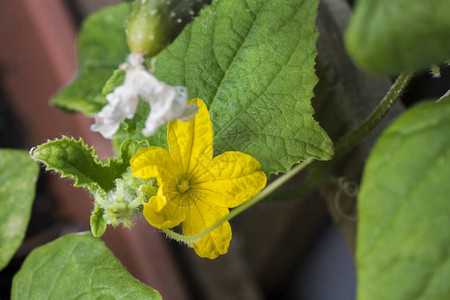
(183, 186)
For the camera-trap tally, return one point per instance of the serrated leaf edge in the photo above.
(94, 186)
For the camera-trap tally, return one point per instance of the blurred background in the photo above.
(281, 249)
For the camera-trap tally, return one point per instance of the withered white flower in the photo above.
(167, 103)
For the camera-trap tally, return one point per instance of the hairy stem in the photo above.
(353, 137)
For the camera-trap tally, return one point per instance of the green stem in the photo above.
(264, 193)
(352, 138)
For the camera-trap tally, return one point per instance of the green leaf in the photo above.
(117, 194)
(101, 48)
(18, 175)
(115, 80)
(252, 63)
(74, 159)
(403, 243)
(392, 36)
(128, 148)
(76, 266)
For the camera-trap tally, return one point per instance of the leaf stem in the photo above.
(264, 193)
(353, 137)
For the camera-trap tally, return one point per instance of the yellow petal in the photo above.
(191, 143)
(200, 216)
(160, 211)
(158, 202)
(148, 162)
(168, 216)
(231, 179)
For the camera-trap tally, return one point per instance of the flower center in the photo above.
(183, 186)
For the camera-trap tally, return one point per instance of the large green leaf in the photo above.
(18, 175)
(392, 36)
(252, 62)
(101, 48)
(76, 266)
(403, 244)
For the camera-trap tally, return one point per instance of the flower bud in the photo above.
(98, 222)
(122, 203)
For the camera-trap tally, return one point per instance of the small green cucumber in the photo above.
(153, 24)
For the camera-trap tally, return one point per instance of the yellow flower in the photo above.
(194, 188)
